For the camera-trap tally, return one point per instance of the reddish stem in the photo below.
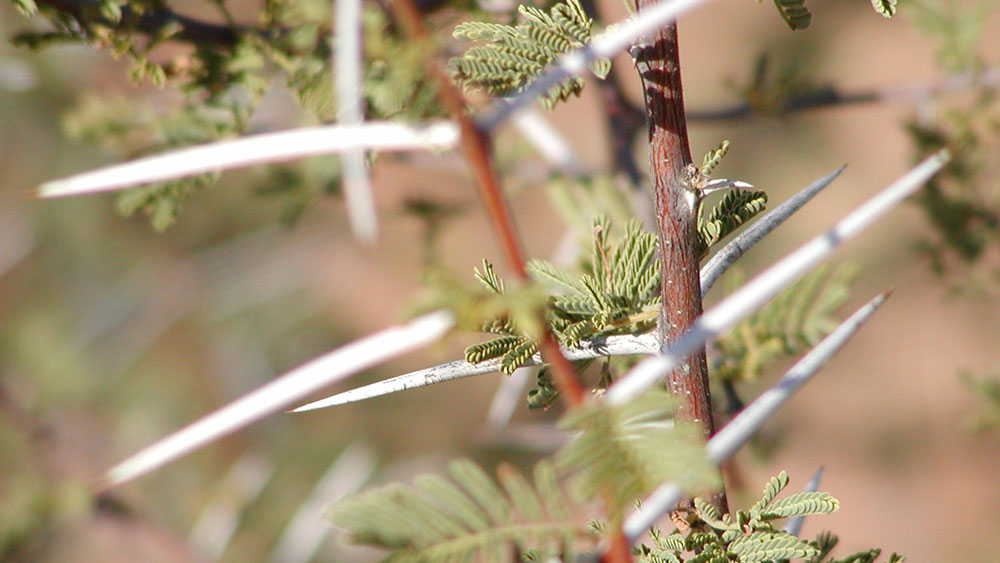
(658, 63)
(475, 147)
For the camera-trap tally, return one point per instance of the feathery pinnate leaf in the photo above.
(467, 516)
(513, 56)
(792, 322)
(745, 536)
(766, 546)
(713, 158)
(619, 451)
(617, 293)
(579, 199)
(801, 504)
(733, 210)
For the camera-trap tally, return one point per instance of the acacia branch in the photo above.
(759, 290)
(475, 147)
(658, 62)
(730, 439)
(618, 345)
(608, 44)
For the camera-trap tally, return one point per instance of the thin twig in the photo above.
(734, 435)
(831, 97)
(731, 252)
(347, 76)
(281, 392)
(759, 290)
(608, 346)
(265, 148)
(475, 147)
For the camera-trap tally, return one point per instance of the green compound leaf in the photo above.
(733, 210)
(467, 517)
(791, 323)
(750, 535)
(801, 504)
(489, 278)
(619, 451)
(794, 12)
(547, 272)
(713, 158)
(517, 355)
(772, 489)
(617, 293)
(513, 56)
(492, 348)
(767, 546)
(162, 202)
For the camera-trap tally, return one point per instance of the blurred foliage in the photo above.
(617, 454)
(962, 201)
(986, 389)
(956, 25)
(133, 130)
(790, 324)
(617, 451)
(775, 83)
(33, 498)
(579, 199)
(223, 76)
(468, 517)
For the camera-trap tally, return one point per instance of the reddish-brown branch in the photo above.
(475, 147)
(658, 63)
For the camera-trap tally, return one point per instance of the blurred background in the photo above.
(113, 335)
